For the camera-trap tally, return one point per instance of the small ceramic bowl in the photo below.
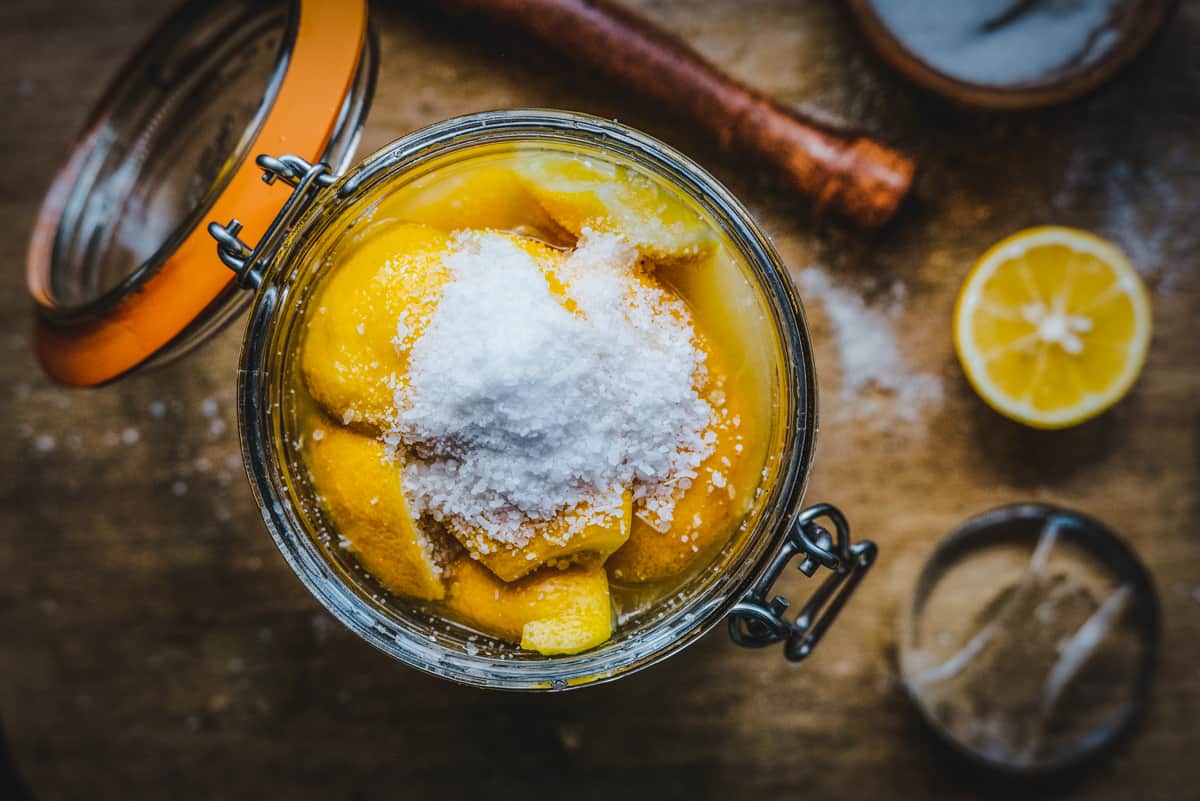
(1130, 29)
(1029, 641)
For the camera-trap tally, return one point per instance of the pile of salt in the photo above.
(518, 405)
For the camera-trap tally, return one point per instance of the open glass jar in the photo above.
(294, 233)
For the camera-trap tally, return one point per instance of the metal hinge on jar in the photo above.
(756, 622)
(249, 263)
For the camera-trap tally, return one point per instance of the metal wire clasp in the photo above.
(250, 263)
(756, 622)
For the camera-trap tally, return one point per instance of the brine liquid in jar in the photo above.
(533, 393)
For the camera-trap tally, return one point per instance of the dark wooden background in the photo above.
(154, 644)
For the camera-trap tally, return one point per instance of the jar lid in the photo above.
(120, 265)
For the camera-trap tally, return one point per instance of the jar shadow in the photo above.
(1027, 458)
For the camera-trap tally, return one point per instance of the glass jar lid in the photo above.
(120, 265)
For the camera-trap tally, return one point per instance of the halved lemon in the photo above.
(1052, 326)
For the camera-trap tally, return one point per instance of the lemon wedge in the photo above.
(1052, 326)
(579, 193)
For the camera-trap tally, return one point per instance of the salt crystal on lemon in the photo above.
(516, 408)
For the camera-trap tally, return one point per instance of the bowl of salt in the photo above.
(1010, 54)
(1030, 639)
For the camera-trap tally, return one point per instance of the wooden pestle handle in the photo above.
(856, 177)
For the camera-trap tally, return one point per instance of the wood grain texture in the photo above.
(154, 644)
(859, 179)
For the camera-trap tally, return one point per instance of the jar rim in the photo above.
(772, 518)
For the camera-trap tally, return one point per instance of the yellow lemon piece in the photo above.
(549, 259)
(707, 511)
(579, 192)
(552, 611)
(383, 292)
(702, 519)
(374, 307)
(554, 542)
(491, 197)
(1052, 326)
(360, 490)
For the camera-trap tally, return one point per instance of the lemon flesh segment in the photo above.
(1052, 326)
(578, 193)
(375, 306)
(552, 611)
(349, 355)
(556, 542)
(704, 513)
(362, 494)
(492, 197)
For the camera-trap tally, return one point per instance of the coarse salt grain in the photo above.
(516, 408)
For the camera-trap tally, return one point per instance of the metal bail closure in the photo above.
(249, 264)
(756, 622)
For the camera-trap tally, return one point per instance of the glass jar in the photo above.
(282, 267)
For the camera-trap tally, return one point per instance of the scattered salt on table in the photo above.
(1137, 205)
(870, 356)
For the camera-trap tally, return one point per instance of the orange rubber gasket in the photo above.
(330, 39)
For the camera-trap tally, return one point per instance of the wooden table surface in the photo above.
(154, 644)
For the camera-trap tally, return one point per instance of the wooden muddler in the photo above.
(854, 176)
